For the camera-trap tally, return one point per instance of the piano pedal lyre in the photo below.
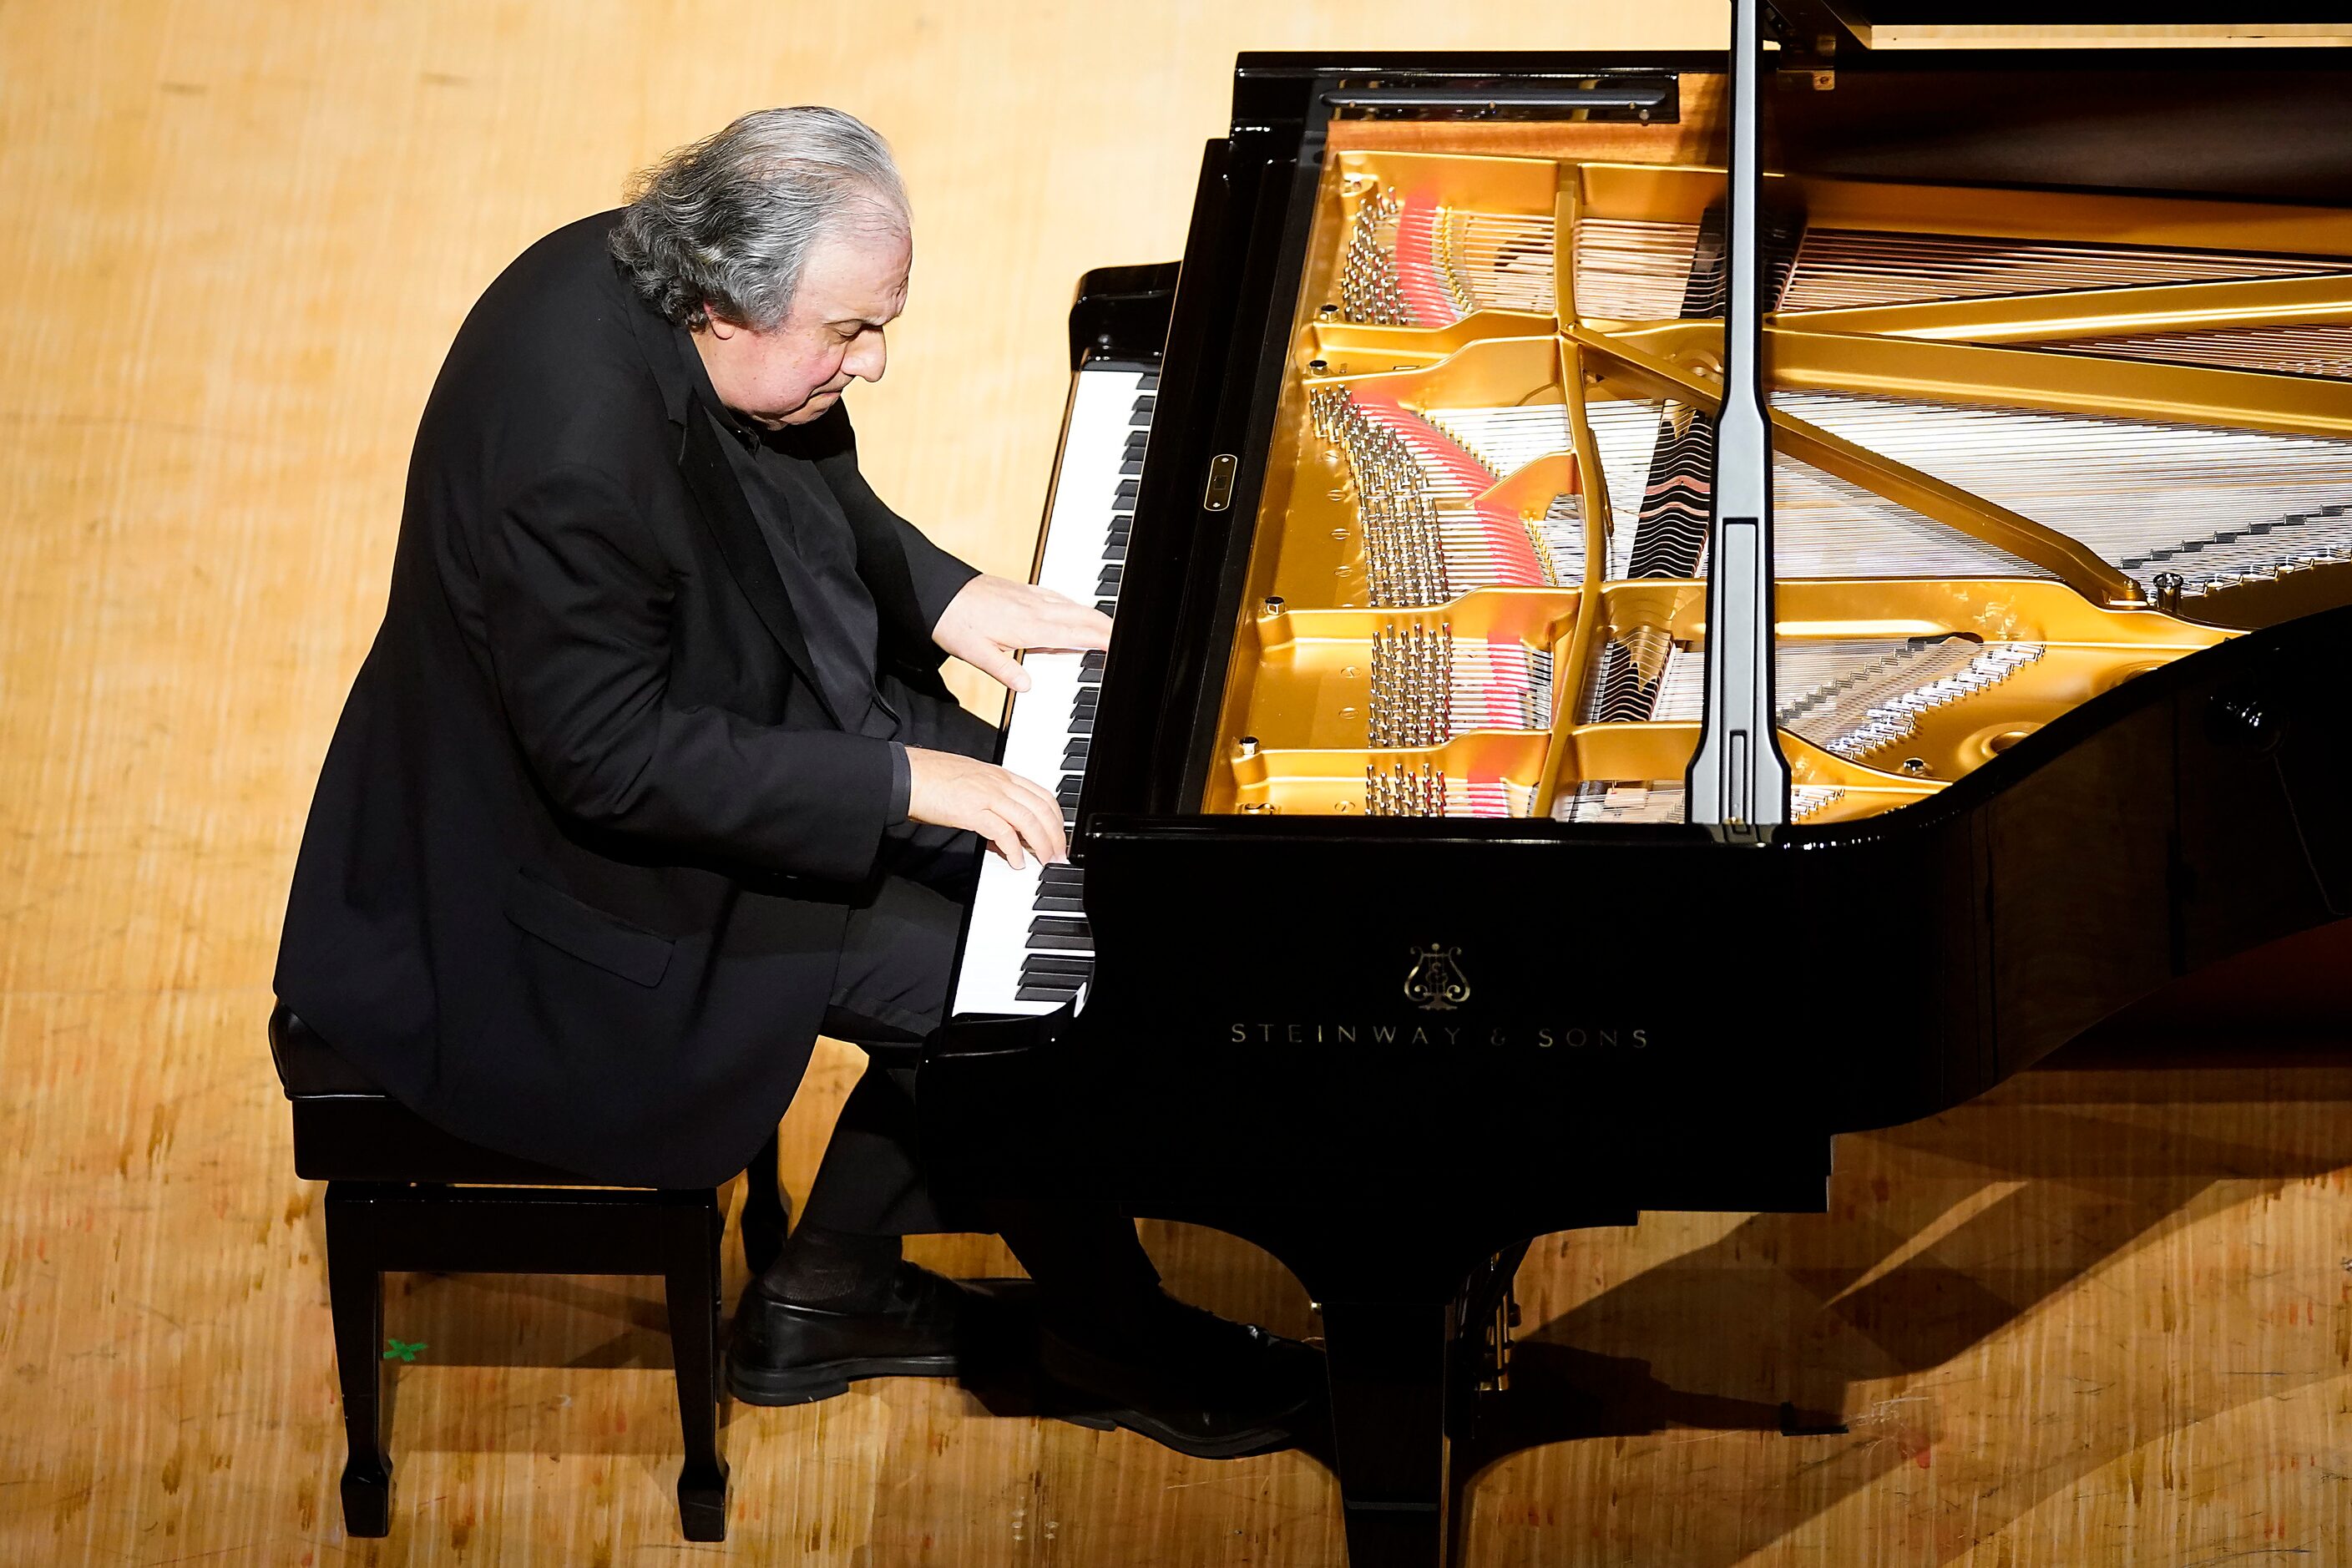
(1486, 1315)
(1495, 1357)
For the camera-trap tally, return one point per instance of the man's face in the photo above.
(852, 286)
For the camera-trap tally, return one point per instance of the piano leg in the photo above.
(1387, 1363)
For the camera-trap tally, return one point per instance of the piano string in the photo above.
(1471, 465)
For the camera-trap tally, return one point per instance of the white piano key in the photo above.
(1038, 726)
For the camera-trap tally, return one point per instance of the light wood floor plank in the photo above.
(2088, 1321)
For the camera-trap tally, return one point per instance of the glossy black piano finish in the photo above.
(1392, 1050)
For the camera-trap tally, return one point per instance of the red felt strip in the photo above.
(1416, 266)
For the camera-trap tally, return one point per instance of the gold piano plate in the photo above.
(2027, 447)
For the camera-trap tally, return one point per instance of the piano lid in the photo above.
(1833, 28)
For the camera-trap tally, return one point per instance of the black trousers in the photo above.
(890, 991)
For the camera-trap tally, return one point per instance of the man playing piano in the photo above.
(650, 775)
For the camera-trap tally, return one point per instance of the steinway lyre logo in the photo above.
(1435, 983)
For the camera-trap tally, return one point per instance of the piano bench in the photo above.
(404, 1194)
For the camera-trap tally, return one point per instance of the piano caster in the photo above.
(1480, 1365)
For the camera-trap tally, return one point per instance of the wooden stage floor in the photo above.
(2101, 1318)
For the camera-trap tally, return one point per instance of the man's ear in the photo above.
(719, 326)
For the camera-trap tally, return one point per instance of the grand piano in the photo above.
(1668, 607)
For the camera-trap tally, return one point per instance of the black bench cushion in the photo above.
(346, 1128)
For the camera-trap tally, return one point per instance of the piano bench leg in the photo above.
(691, 1283)
(355, 1299)
(1388, 1363)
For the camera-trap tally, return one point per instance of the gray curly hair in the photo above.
(726, 224)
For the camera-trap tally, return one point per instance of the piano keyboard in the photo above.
(1027, 947)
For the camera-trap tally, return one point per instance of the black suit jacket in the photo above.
(576, 873)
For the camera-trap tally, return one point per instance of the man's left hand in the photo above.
(992, 619)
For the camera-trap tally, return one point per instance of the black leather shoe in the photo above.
(785, 1354)
(1187, 1379)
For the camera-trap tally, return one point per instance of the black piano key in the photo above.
(1083, 726)
(1131, 465)
(1048, 941)
(1044, 994)
(1128, 490)
(1144, 405)
(1069, 979)
(1068, 793)
(1075, 759)
(1116, 552)
(1057, 904)
(1106, 605)
(1108, 583)
(1063, 875)
(1092, 664)
(1150, 381)
(1043, 963)
(1048, 925)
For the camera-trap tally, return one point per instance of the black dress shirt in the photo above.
(816, 554)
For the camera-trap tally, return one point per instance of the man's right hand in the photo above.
(951, 790)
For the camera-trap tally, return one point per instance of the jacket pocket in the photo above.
(587, 933)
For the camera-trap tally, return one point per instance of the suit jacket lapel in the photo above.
(745, 549)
